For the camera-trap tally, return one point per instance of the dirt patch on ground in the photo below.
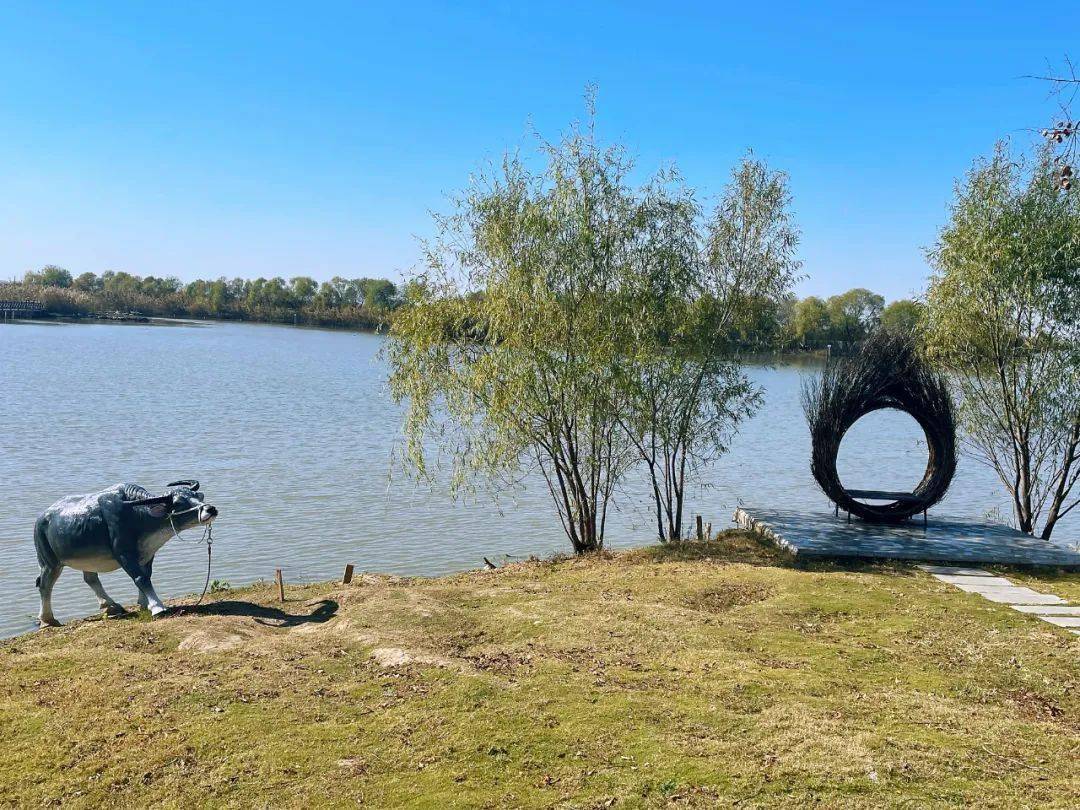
(214, 639)
(1040, 707)
(727, 595)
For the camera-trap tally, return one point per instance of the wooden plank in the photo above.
(878, 495)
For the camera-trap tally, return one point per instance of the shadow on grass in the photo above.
(857, 565)
(324, 610)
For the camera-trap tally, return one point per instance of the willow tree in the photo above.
(573, 323)
(697, 279)
(503, 351)
(1003, 314)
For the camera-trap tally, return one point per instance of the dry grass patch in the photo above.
(727, 595)
(694, 675)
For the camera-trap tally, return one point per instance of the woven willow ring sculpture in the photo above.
(887, 372)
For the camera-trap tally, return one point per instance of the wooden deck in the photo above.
(942, 539)
(25, 308)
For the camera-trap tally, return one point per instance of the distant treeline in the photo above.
(811, 323)
(795, 324)
(366, 303)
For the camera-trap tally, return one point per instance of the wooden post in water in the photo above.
(346, 578)
(280, 585)
(700, 531)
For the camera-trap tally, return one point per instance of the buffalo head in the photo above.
(182, 504)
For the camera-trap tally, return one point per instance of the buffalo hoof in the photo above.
(116, 611)
(164, 613)
(43, 623)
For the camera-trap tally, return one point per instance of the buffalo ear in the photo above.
(159, 506)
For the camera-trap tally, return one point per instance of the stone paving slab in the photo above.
(944, 539)
(1049, 610)
(1017, 596)
(1044, 606)
(953, 570)
(968, 582)
(1062, 621)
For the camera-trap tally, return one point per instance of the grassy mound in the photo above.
(689, 676)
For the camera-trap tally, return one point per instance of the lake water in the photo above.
(291, 432)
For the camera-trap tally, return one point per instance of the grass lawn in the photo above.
(696, 675)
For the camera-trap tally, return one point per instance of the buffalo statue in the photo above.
(120, 527)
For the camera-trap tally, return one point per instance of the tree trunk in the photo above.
(1065, 481)
(1022, 504)
(1048, 527)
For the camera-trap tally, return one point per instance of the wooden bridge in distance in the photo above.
(24, 308)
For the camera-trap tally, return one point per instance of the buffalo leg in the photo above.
(105, 602)
(144, 603)
(140, 574)
(45, 582)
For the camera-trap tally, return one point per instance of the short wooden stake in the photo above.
(700, 534)
(708, 531)
(280, 585)
(346, 578)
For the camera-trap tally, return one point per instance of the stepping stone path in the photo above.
(1045, 606)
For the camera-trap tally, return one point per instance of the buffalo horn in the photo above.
(190, 483)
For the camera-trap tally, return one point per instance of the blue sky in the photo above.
(251, 139)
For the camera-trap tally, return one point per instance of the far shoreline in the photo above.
(749, 356)
(180, 320)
